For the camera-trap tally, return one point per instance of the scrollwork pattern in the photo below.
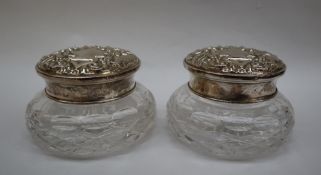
(237, 61)
(88, 61)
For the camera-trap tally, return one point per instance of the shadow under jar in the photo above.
(231, 108)
(91, 105)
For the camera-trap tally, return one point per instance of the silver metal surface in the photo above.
(234, 74)
(88, 74)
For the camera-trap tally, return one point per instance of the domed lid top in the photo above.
(88, 74)
(235, 62)
(88, 62)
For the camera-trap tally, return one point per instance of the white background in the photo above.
(161, 33)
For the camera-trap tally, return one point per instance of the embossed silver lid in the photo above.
(235, 62)
(88, 74)
(88, 63)
(234, 74)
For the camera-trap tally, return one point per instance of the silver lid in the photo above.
(235, 62)
(234, 74)
(88, 74)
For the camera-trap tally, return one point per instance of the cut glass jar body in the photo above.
(229, 130)
(90, 130)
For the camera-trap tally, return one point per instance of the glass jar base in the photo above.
(91, 130)
(124, 147)
(230, 131)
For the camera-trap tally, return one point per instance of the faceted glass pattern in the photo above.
(229, 130)
(90, 130)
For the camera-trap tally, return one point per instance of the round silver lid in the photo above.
(88, 74)
(88, 63)
(234, 74)
(235, 62)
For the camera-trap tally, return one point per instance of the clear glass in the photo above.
(91, 130)
(229, 130)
